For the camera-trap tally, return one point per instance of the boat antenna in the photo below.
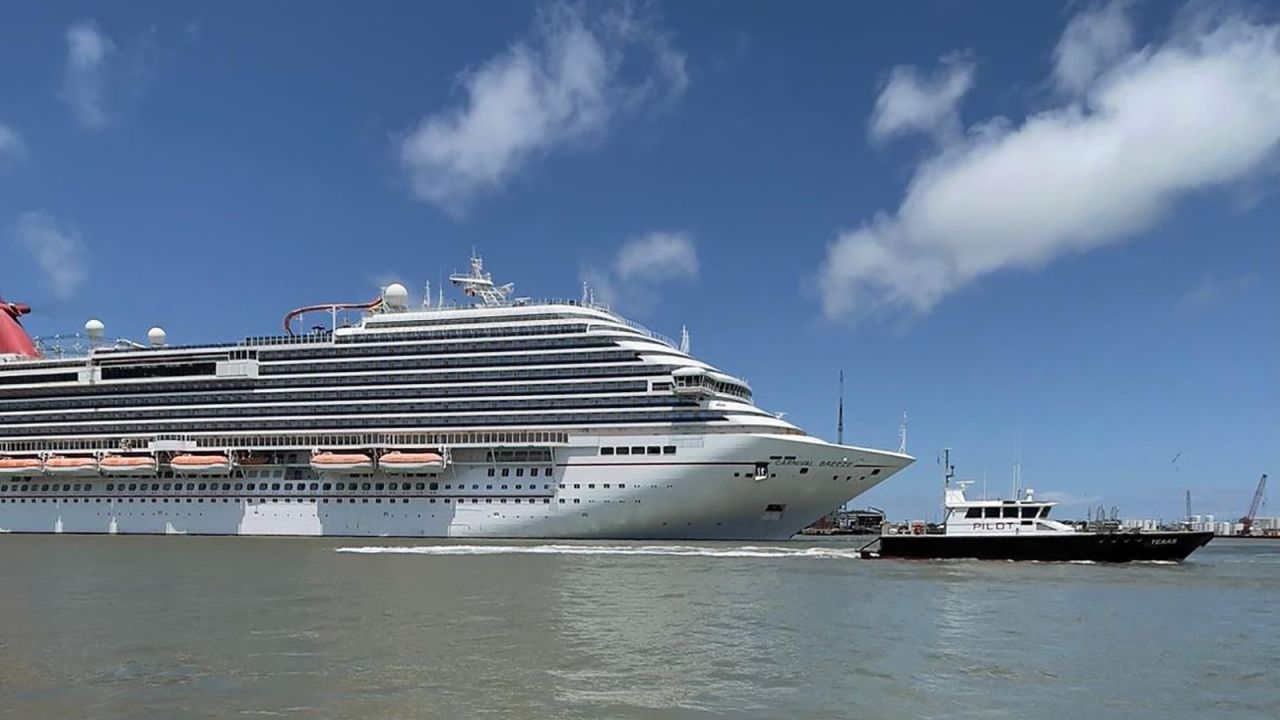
(684, 339)
(949, 470)
(840, 413)
(902, 434)
(426, 297)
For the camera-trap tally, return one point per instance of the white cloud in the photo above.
(1198, 111)
(641, 266)
(83, 84)
(58, 251)
(563, 84)
(657, 257)
(911, 103)
(11, 143)
(1213, 290)
(1091, 42)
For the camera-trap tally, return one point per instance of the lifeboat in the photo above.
(342, 463)
(59, 465)
(127, 465)
(188, 464)
(20, 466)
(410, 462)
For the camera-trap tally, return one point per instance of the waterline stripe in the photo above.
(746, 551)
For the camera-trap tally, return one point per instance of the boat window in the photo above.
(1030, 512)
(624, 451)
(1044, 511)
(1011, 512)
(991, 512)
(606, 451)
(973, 513)
(668, 449)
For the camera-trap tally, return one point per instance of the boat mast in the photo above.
(840, 413)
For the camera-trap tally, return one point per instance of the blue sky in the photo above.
(1052, 228)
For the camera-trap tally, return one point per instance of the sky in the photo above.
(1047, 233)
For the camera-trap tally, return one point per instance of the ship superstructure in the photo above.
(498, 418)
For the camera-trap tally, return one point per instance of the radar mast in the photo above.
(479, 284)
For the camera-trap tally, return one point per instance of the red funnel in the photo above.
(13, 339)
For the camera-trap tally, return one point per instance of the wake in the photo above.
(746, 551)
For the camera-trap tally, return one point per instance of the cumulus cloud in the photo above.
(565, 83)
(1198, 111)
(83, 82)
(11, 144)
(1091, 42)
(641, 267)
(57, 250)
(909, 102)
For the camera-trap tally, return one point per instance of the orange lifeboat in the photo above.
(127, 465)
(59, 465)
(187, 464)
(20, 466)
(411, 462)
(343, 463)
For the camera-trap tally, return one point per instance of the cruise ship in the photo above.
(495, 416)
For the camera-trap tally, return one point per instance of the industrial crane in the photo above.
(1246, 522)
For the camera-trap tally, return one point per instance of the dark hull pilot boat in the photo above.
(1021, 530)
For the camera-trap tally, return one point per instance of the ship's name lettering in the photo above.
(809, 463)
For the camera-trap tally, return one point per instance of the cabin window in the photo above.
(624, 451)
(1011, 512)
(1030, 512)
(991, 512)
(668, 449)
(973, 513)
(1044, 511)
(606, 451)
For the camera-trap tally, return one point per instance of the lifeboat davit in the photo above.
(411, 462)
(201, 464)
(20, 466)
(59, 465)
(127, 465)
(331, 462)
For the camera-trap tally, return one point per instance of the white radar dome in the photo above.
(156, 336)
(396, 296)
(94, 329)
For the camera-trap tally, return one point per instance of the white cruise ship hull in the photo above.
(712, 488)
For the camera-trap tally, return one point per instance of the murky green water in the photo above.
(156, 627)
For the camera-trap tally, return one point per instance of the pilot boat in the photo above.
(1021, 529)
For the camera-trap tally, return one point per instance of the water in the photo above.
(153, 627)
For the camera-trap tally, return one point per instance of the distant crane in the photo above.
(1246, 522)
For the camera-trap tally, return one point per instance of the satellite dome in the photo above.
(396, 295)
(94, 329)
(156, 335)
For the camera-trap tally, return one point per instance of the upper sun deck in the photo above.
(389, 313)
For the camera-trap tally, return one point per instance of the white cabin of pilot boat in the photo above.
(998, 517)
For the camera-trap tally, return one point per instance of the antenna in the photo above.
(1188, 504)
(684, 339)
(426, 296)
(840, 413)
(902, 434)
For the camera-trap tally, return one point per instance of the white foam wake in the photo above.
(745, 551)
